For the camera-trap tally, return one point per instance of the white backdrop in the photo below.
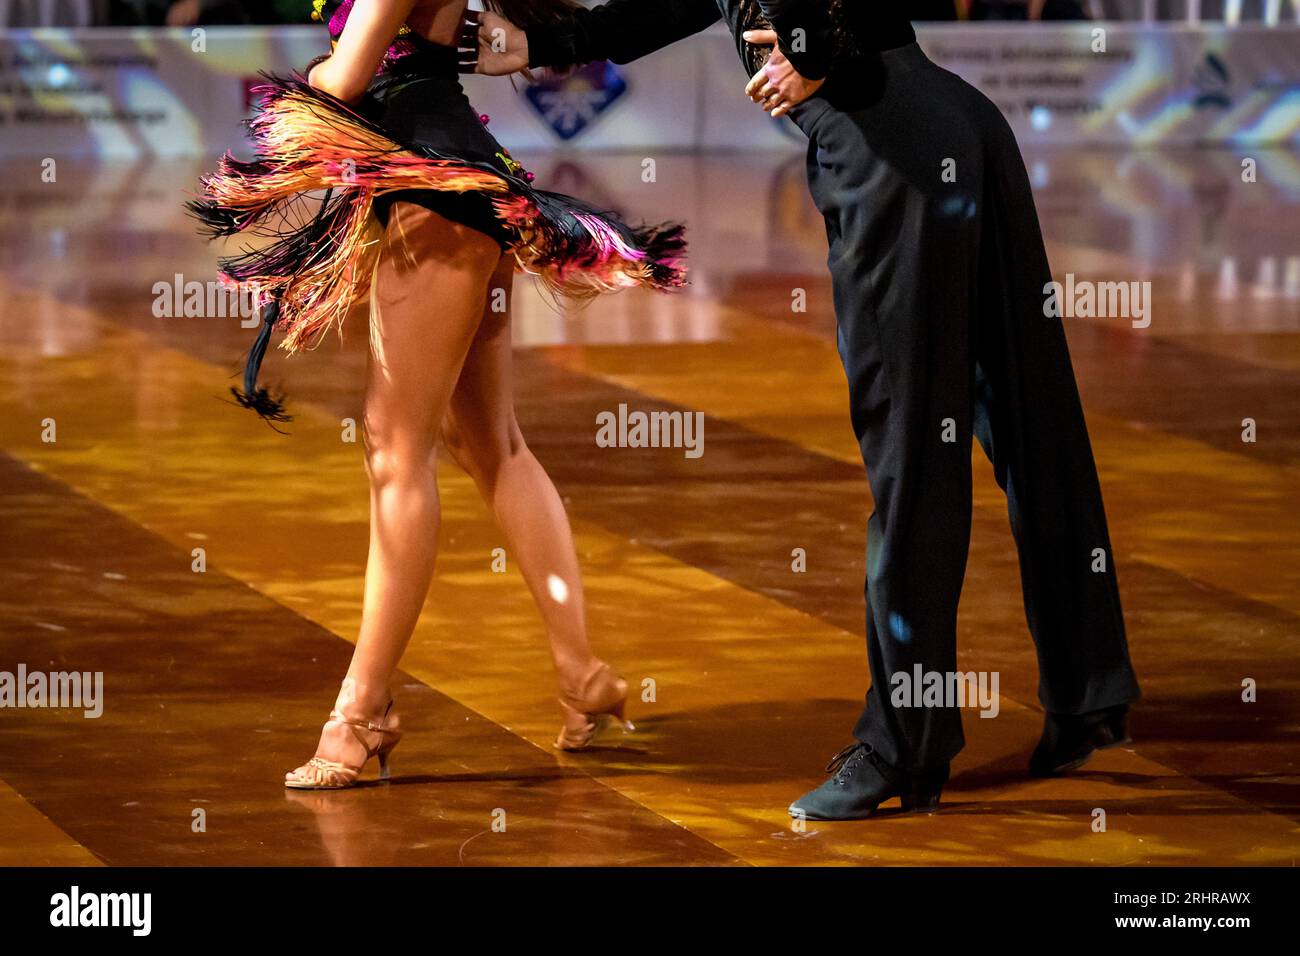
(132, 92)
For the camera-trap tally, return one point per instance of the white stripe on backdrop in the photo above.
(133, 92)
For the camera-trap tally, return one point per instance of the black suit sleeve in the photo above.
(620, 30)
(810, 50)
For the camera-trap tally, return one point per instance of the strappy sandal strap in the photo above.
(332, 766)
(367, 725)
(329, 773)
(358, 725)
(319, 773)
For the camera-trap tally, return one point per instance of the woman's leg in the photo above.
(483, 436)
(426, 304)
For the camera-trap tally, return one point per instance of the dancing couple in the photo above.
(937, 282)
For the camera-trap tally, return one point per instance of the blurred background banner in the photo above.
(147, 91)
(1103, 83)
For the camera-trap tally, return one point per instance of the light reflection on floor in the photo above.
(687, 562)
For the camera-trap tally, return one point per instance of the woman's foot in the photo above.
(589, 705)
(349, 739)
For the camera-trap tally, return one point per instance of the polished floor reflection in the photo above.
(121, 466)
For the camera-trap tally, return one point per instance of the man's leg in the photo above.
(904, 239)
(1029, 420)
(909, 372)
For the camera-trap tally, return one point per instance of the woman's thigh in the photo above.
(427, 301)
(482, 420)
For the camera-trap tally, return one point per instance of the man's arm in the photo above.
(621, 30)
(809, 50)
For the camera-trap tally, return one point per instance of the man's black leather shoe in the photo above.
(1070, 739)
(861, 781)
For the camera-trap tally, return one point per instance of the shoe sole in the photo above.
(874, 811)
(381, 779)
(604, 722)
(1079, 762)
(300, 786)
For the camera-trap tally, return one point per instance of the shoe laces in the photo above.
(844, 763)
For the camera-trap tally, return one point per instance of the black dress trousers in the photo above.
(938, 270)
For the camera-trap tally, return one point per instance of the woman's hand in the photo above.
(502, 46)
(778, 85)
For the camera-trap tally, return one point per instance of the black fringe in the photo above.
(258, 398)
(293, 252)
(294, 249)
(666, 241)
(572, 243)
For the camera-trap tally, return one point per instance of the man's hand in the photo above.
(778, 85)
(502, 46)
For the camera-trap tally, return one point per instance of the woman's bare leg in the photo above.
(483, 436)
(427, 300)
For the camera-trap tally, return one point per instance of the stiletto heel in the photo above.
(623, 722)
(601, 699)
(321, 774)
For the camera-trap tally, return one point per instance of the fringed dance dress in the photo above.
(325, 175)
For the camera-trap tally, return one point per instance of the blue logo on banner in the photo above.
(569, 104)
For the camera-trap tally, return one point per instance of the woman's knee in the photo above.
(483, 453)
(394, 459)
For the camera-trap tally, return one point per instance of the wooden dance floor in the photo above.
(216, 682)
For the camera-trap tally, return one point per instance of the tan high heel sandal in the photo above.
(599, 701)
(321, 774)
